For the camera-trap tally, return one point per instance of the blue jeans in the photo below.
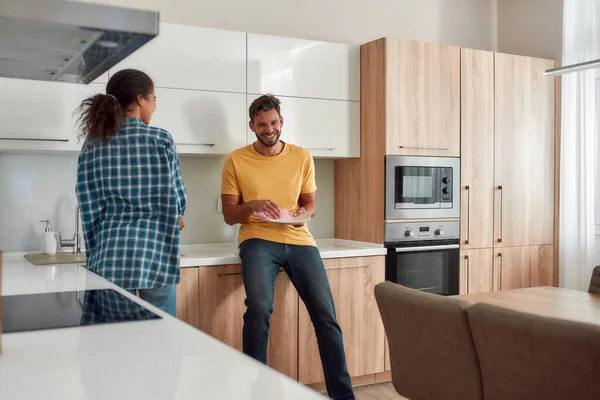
(164, 298)
(261, 260)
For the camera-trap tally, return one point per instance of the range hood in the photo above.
(57, 40)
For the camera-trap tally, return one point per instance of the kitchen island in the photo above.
(150, 359)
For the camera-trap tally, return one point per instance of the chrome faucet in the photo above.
(75, 243)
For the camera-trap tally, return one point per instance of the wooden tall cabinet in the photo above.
(422, 88)
(524, 151)
(410, 105)
(477, 149)
(507, 171)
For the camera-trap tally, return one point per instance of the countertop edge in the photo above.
(190, 262)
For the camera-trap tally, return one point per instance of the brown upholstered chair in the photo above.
(595, 281)
(431, 350)
(526, 356)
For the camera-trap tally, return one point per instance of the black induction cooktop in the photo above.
(30, 312)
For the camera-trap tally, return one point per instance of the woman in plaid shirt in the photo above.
(131, 191)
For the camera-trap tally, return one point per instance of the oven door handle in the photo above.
(426, 248)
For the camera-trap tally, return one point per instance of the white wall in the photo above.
(453, 22)
(42, 187)
(530, 27)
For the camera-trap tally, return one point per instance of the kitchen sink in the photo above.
(53, 259)
(58, 258)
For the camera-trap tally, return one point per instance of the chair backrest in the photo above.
(595, 281)
(527, 356)
(431, 350)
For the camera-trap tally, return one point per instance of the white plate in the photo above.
(300, 219)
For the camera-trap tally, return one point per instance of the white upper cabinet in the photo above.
(303, 68)
(327, 128)
(205, 80)
(202, 122)
(41, 115)
(189, 57)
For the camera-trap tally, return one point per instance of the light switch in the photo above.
(219, 205)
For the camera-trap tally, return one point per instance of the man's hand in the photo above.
(181, 223)
(270, 209)
(298, 212)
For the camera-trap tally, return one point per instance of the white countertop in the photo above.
(154, 359)
(196, 255)
(227, 253)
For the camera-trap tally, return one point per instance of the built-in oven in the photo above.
(424, 256)
(422, 187)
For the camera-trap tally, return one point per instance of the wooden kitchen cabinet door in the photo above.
(524, 152)
(542, 269)
(477, 271)
(188, 300)
(477, 149)
(524, 266)
(513, 267)
(352, 282)
(422, 86)
(222, 308)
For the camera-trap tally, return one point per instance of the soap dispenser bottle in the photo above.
(48, 239)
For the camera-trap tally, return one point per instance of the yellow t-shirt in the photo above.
(281, 179)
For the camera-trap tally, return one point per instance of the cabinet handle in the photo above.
(423, 148)
(196, 144)
(222, 274)
(349, 266)
(500, 255)
(467, 272)
(228, 274)
(321, 148)
(493, 275)
(501, 213)
(468, 189)
(36, 140)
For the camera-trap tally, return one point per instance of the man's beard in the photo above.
(269, 143)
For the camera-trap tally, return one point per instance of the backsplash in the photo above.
(39, 187)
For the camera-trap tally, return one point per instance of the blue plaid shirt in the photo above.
(132, 196)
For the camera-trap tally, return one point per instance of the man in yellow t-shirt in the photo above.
(270, 178)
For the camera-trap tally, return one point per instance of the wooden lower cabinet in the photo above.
(487, 270)
(188, 300)
(524, 266)
(352, 282)
(477, 271)
(212, 299)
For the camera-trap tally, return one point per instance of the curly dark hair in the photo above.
(102, 115)
(265, 102)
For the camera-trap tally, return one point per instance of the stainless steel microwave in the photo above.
(422, 187)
